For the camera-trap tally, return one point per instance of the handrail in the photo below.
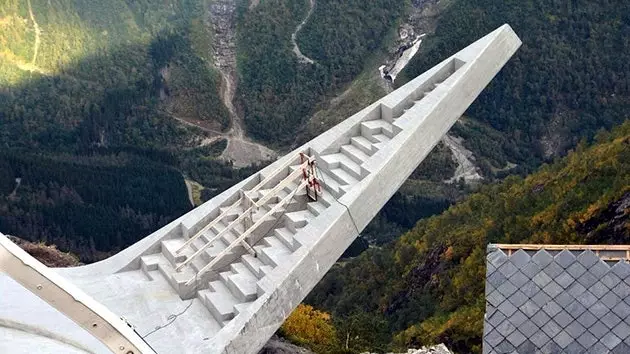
(69, 300)
(225, 212)
(246, 233)
(245, 213)
(207, 227)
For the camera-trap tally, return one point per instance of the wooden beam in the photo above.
(247, 232)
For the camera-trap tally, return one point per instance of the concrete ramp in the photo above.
(225, 276)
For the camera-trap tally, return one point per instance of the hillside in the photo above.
(570, 78)
(93, 101)
(77, 73)
(278, 89)
(428, 287)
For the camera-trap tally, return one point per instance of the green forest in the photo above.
(87, 90)
(570, 78)
(92, 159)
(91, 205)
(278, 93)
(97, 76)
(428, 286)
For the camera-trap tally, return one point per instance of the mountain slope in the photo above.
(278, 90)
(428, 286)
(103, 67)
(570, 78)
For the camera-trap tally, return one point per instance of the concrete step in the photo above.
(239, 308)
(198, 263)
(286, 237)
(325, 198)
(266, 269)
(150, 263)
(253, 264)
(381, 140)
(331, 186)
(363, 144)
(243, 283)
(316, 207)
(176, 279)
(220, 226)
(343, 175)
(297, 219)
(236, 211)
(224, 276)
(378, 126)
(279, 195)
(211, 251)
(289, 206)
(340, 160)
(274, 253)
(289, 188)
(354, 153)
(220, 301)
(169, 249)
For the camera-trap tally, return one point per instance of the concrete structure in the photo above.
(224, 277)
(557, 299)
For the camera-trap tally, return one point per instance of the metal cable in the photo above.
(172, 317)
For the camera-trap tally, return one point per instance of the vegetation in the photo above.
(428, 286)
(50, 256)
(104, 74)
(309, 327)
(569, 79)
(91, 205)
(277, 91)
(88, 92)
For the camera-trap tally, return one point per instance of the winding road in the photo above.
(38, 33)
(296, 49)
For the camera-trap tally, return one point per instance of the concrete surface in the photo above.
(240, 303)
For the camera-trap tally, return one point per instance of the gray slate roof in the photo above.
(556, 302)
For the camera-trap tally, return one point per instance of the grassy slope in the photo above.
(93, 94)
(90, 48)
(428, 286)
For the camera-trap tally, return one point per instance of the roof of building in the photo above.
(557, 298)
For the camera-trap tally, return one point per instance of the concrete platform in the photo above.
(223, 277)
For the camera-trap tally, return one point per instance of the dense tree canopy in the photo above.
(428, 286)
(570, 78)
(278, 92)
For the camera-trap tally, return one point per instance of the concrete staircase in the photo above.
(342, 169)
(231, 287)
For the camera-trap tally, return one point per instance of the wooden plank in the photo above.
(227, 211)
(241, 238)
(285, 182)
